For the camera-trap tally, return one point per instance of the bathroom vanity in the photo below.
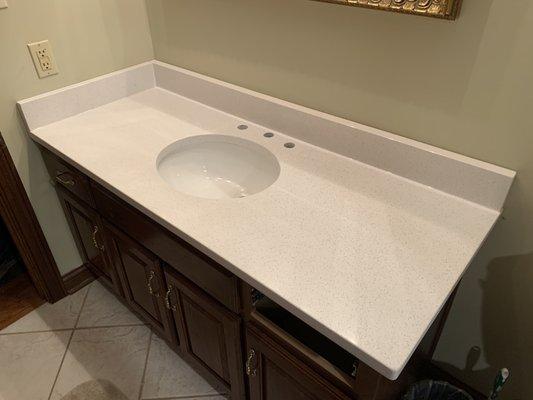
(282, 252)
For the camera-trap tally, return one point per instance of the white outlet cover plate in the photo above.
(44, 65)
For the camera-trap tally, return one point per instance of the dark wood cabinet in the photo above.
(142, 281)
(274, 373)
(212, 278)
(211, 333)
(202, 310)
(87, 229)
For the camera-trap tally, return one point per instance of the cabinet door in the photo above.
(274, 373)
(87, 229)
(142, 280)
(211, 333)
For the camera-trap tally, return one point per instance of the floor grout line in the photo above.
(81, 308)
(61, 364)
(41, 331)
(73, 329)
(84, 328)
(82, 305)
(145, 364)
(68, 346)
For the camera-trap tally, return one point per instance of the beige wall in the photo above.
(466, 86)
(89, 38)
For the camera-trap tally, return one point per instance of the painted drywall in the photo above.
(89, 38)
(466, 86)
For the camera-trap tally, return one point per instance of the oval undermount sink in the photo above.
(217, 166)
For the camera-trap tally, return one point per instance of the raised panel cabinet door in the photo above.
(142, 281)
(88, 234)
(210, 331)
(274, 373)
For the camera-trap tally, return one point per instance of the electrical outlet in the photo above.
(43, 58)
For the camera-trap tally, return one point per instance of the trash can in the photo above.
(435, 390)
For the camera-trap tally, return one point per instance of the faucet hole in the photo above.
(289, 145)
(242, 127)
(268, 135)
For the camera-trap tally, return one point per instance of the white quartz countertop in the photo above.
(366, 257)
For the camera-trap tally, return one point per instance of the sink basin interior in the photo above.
(217, 166)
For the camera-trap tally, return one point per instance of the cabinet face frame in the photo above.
(446, 9)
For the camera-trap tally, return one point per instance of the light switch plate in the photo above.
(43, 58)
(3, 4)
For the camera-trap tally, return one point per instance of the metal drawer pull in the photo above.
(149, 284)
(60, 179)
(251, 357)
(355, 367)
(167, 299)
(95, 242)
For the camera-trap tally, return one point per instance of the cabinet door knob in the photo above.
(251, 371)
(95, 241)
(167, 299)
(149, 284)
(60, 178)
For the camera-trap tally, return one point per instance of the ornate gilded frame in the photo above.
(447, 9)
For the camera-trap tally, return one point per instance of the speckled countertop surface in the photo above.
(366, 257)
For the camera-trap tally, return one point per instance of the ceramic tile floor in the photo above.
(91, 335)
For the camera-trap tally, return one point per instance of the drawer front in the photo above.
(204, 272)
(68, 177)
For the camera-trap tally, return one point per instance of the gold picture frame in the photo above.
(447, 9)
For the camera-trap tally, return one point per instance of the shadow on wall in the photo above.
(507, 330)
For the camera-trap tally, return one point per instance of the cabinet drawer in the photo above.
(68, 177)
(200, 269)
